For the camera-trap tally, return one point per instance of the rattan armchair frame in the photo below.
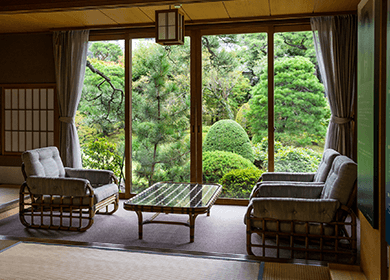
(62, 212)
(342, 243)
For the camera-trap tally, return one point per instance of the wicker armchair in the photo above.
(317, 177)
(54, 197)
(317, 215)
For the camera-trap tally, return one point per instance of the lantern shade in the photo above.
(169, 27)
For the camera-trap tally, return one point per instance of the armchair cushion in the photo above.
(341, 179)
(105, 191)
(289, 189)
(43, 162)
(316, 210)
(100, 193)
(288, 176)
(325, 165)
(57, 186)
(94, 176)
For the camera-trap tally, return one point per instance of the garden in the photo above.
(235, 110)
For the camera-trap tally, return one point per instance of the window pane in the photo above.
(22, 98)
(28, 99)
(7, 103)
(235, 91)
(50, 99)
(43, 98)
(160, 106)
(15, 99)
(22, 141)
(100, 119)
(301, 107)
(22, 119)
(36, 99)
(15, 141)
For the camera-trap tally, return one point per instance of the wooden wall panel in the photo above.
(335, 6)
(26, 58)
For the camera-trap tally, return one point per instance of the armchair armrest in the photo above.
(287, 176)
(288, 189)
(94, 176)
(58, 186)
(315, 210)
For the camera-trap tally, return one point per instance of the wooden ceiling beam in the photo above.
(26, 6)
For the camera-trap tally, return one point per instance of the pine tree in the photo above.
(301, 109)
(160, 122)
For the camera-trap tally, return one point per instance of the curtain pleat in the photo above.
(70, 54)
(335, 40)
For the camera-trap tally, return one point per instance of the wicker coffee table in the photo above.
(174, 198)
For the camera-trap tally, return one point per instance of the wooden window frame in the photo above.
(195, 32)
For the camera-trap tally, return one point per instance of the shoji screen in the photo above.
(28, 118)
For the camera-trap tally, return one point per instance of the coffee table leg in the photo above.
(192, 227)
(139, 213)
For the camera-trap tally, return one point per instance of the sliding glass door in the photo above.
(234, 71)
(160, 113)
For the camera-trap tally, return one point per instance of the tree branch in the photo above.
(301, 46)
(108, 80)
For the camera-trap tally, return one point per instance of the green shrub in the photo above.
(287, 158)
(293, 159)
(100, 153)
(260, 151)
(228, 136)
(218, 163)
(239, 183)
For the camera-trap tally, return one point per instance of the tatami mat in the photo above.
(278, 271)
(45, 261)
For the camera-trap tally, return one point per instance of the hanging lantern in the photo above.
(169, 27)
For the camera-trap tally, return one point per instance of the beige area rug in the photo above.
(277, 271)
(25, 260)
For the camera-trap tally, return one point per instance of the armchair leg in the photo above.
(249, 243)
(114, 199)
(248, 234)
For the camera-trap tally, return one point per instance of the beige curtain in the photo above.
(335, 40)
(70, 54)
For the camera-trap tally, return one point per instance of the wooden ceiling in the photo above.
(48, 15)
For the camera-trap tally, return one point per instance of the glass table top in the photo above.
(181, 195)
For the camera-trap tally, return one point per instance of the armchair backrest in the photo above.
(341, 179)
(43, 162)
(325, 165)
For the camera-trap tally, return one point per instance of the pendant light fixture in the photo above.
(170, 26)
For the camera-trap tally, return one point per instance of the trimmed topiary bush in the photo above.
(218, 163)
(228, 136)
(239, 183)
